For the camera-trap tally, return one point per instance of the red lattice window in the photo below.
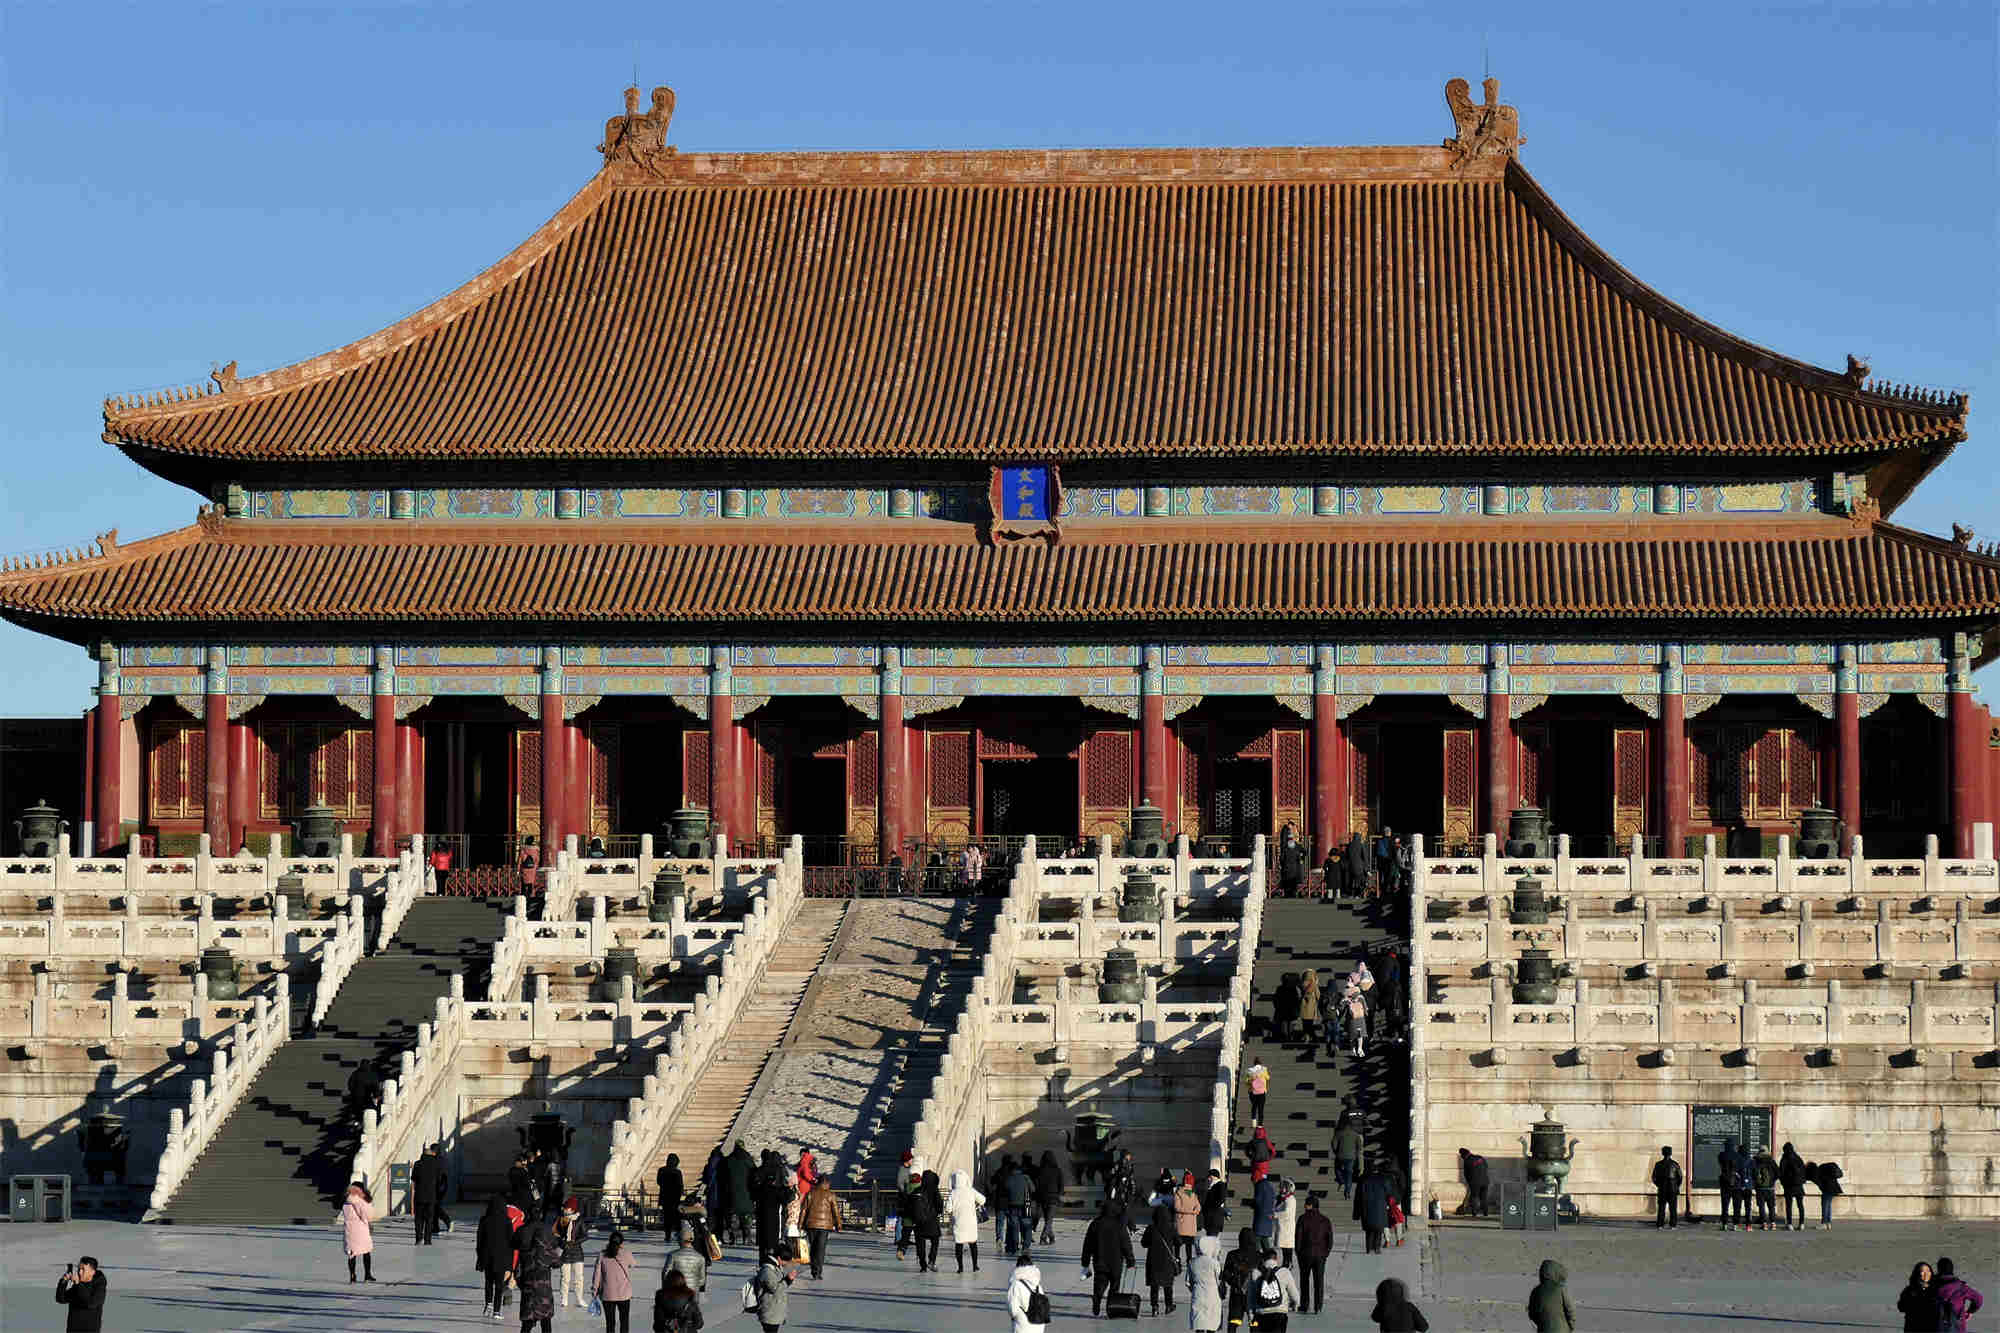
(1770, 772)
(1107, 779)
(1248, 744)
(1802, 775)
(1701, 745)
(864, 773)
(1631, 764)
(1361, 757)
(605, 746)
(951, 770)
(694, 768)
(767, 767)
(1289, 772)
(1458, 752)
(528, 768)
(177, 769)
(1535, 769)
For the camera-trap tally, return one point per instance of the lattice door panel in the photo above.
(1288, 781)
(1364, 778)
(528, 781)
(1193, 749)
(1630, 764)
(1460, 792)
(1534, 766)
(176, 769)
(694, 767)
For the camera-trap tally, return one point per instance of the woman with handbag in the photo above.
(1160, 1240)
(611, 1287)
(570, 1230)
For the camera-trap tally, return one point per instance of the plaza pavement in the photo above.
(1472, 1277)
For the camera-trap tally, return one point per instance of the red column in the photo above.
(1673, 775)
(242, 782)
(1499, 763)
(555, 791)
(1847, 763)
(409, 778)
(1154, 788)
(895, 765)
(215, 740)
(577, 820)
(104, 811)
(721, 764)
(1966, 743)
(84, 797)
(1329, 774)
(383, 828)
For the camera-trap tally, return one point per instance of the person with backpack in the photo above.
(768, 1295)
(1272, 1295)
(1727, 1176)
(1477, 1177)
(1261, 1152)
(1667, 1180)
(1764, 1180)
(1258, 1079)
(1957, 1300)
(675, 1309)
(1347, 1155)
(1548, 1303)
(1792, 1178)
(1238, 1267)
(1826, 1175)
(1027, 1302)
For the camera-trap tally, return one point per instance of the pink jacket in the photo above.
(614, 1278)
(357, 1237)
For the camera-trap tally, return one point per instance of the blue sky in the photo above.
(187, 184)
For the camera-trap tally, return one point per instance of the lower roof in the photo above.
(223, 574)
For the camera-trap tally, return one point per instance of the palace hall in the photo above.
(896, 499)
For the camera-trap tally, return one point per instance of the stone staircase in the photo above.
(723, 1087)
(864, 1050)
(1308, 1082)
(283, 1155)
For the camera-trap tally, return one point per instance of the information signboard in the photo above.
(1711, 1126)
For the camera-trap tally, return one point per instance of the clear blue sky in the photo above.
(189, 184)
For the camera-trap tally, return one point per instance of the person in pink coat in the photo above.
(357, 1235)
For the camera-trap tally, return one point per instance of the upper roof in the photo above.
(1099, 304)
(224, 572)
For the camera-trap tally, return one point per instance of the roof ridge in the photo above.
(228, 389)
(1854, 383)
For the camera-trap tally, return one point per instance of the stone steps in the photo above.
(284, 1154)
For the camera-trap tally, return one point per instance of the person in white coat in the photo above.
(1287, 1221)
(962, 1207)
(1027, 1281)
(1204, 1280)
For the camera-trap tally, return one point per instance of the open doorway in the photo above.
(650, 787)
(1240, 802)
(814, 797)
(469, 789)
(1035, 796)
(1412, 787)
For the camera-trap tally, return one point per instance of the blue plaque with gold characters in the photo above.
(1026, 500)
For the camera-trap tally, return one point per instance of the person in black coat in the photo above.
(521, 1185)
(82, 1288)
(1215, 1204)
(1048, 1194)
(1792, 1180)
(673, 1187)
(427, 1193)
(1393, 1312)
(772, 1188)
(1371, 1205)
(1161, 1265)
(739, 1171)
(1107, 1249)
(1918, 1301)
(927, 1220)
(493, 1249)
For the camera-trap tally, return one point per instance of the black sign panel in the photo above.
(1750, 1126)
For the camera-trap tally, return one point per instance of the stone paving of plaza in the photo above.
(201, 1280)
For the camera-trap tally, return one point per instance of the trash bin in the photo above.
(21, 1199)
(1541, 1211)
(1513, 1205)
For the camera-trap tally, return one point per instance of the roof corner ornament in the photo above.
(1961, 536)
(1856, 373)
(107, 541)
(1485, 129)
(225, 379)
(639, 138)
(1865, 511)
